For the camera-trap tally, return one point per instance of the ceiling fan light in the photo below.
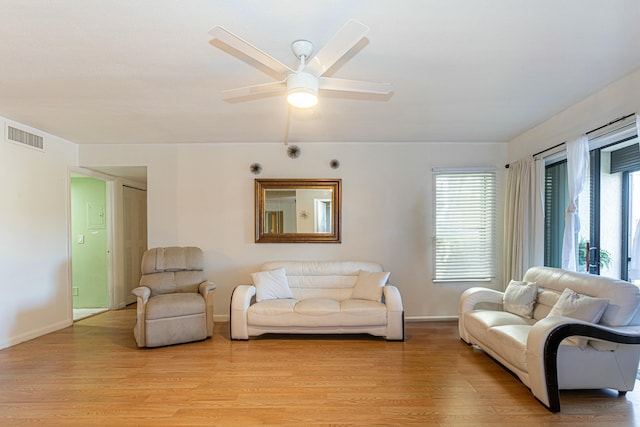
(302, 98)
(302, 90)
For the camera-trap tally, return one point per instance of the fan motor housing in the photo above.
(302, 89)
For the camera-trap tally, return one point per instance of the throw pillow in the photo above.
(271, 285)
(581, 307)
(519, 298)
(369, 285)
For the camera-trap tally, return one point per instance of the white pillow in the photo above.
(581, 307)
(519, 298)
(369, 285)
(271, 285)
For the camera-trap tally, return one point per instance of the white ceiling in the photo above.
(122, 71)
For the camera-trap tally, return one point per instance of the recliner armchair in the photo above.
(174, 300)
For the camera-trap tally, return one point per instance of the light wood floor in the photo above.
(92, 374)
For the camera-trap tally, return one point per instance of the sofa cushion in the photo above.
(510, 342)
(581, 307)
(317, 307)
(273, 307)
(313, 312)
(275, 312)
(519, 298)
(359, 312)
(271, 285)
(478, 322)
(369, 285)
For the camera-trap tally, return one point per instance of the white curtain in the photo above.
(577, 166)
(524, 218)
(536, 256)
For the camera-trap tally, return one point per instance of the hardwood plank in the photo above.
(93, 374)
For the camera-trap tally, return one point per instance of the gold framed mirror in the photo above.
(298, 210)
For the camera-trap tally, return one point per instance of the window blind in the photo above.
(465, 217)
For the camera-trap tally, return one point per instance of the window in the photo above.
(464, 224)
(609, 207)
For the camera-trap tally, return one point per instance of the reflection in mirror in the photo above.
(297, 210)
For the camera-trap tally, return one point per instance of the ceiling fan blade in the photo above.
(345, 85)
(341, 42)
(260, 89)
(222, 35)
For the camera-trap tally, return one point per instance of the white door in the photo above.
(135, 237)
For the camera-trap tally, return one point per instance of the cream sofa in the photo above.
(308, 297)
(538, 349)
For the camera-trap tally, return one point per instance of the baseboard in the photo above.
(429, 318)
(35, 333)
(221, 317)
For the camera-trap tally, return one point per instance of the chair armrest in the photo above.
(206, 289)
(543, 341)
(240, 302)
(143, 293)
(395, 313)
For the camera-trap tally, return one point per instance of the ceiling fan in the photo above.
(302, 84)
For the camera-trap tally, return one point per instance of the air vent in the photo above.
(13, 134)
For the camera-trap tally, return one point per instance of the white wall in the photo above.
(35, 294)
(616, 100)
(202, 195)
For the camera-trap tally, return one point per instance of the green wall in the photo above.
(89, 243)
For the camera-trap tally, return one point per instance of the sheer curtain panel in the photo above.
(577, 167)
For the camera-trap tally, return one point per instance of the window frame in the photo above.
(604, 137)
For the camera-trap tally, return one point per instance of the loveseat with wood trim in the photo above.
(315, 297)
(551, 351)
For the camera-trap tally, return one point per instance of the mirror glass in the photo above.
(297, 210)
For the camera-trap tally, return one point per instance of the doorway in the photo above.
(109, 203)
(89, 247)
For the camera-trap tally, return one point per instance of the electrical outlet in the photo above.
(74, 291)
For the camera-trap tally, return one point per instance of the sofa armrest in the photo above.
(543, 341)
(395, 313)
(476, 295)
(240, 302)
(206, 289)
(468, 302)
(392, 298)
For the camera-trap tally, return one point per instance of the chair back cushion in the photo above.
(172, 269)
(322, 279)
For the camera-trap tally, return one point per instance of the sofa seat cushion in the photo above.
(317, 307)
(273, 307)
(317, 312)
(510, 342)
(359, 312)
(478, 322)
(175, 305)
(312, 312)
